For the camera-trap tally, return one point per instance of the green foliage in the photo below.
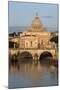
(54, 39)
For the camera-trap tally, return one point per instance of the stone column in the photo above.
(14, 45)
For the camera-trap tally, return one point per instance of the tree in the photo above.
(54, 39)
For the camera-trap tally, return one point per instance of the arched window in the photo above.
(38, 45)
(41, 42)
(31, 43)
(26, 45)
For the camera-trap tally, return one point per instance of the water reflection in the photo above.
(32, 74)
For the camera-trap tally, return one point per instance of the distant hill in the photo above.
(16, 29)
(23, 28)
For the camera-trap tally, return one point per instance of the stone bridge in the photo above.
(39, 52)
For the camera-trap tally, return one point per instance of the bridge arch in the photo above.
(45, 55)
(25, 56)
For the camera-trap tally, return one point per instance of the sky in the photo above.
(22, 14)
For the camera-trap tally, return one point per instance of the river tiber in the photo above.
(33, 56)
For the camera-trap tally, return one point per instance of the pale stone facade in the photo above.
(35, 36)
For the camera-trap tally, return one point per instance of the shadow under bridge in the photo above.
(45, 56)
(25, 56)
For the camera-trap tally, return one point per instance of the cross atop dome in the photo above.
(36, 14)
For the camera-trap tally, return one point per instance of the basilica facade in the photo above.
(35, 36)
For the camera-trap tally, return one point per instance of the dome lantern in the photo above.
(36, 23)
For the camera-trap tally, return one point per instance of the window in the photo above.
(26, 44)
(31, 43)
(38, 45)
(41, 42)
